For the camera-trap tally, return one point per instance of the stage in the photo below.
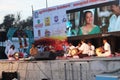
(61, 69)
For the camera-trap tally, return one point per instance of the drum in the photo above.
(74, 52)
(99, 51)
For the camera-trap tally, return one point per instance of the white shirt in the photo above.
(71, 47)
(77, 47)
(11, 52)
(107, 51)
(8, 43)
(107, 47)
(114, 23)
(85, 48)
(91, 50)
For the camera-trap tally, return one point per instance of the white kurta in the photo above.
(85, 48)
(91, 50)
(107, 50)
(114, 23)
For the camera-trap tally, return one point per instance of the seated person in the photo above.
(78, 46)
(74, 50)
(69, 49)
(33, 50)
(83, 50)
(91, 49)
(11, 52)
(105, 50)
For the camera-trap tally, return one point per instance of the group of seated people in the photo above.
(13, 54)
(83, 49)
(87, 49)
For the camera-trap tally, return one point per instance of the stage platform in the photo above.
(62, 68)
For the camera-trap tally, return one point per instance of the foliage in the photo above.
(8, 21)
(11, 20)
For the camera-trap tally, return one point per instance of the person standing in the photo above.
(114, 21)
(8, 43)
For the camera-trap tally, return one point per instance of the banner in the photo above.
(50, 23)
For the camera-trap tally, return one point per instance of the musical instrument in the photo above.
(73, 52)
(99, 51)
(18, 55)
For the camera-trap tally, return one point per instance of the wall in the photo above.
(72, 69)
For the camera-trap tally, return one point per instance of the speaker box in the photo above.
(9, 75)
(45, 56)
(2, 53)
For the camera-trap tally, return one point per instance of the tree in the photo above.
(8, 21)
(11, 20)
(26, 24)
(29, 23)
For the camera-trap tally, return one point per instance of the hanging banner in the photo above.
(51, 22)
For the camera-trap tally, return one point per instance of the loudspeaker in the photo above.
(2, 53)
(45, 56)
(9, 75)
